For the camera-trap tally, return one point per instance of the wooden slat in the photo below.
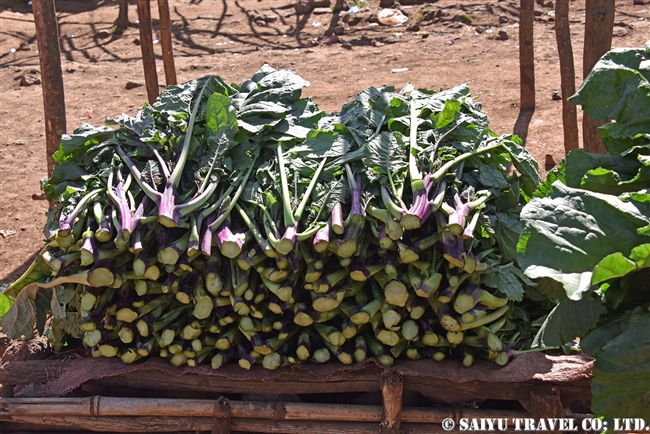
(456, 393)
(567, 75)
(297, 382)
(289, 385)
(32, 371)
(49, 54)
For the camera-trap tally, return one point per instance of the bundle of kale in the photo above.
(240, 222)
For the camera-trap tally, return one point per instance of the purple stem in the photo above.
(206, 240)
(321, 239)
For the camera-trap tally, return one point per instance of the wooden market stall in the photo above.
(106, 395)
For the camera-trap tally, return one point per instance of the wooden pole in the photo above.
(599, 26)
(391, 390)
(146, 45)
(122, 21)
(545, 403)
(567, 75)
(221, 416)
(49, 54)
(526, 55)
(166, 42)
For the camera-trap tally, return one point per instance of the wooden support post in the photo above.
(545, 402)
(166, 42)
(526, 55)
(221, 417)
(146, 45)
(391, 389)
(599, 26)
(567, 75)
(122, 21)
(49, 54)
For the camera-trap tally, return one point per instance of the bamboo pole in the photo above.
(166, 42)
(49, 55)
(567, 75)
(146, 46)
(526, 54)
(599, 26)
(111, 407)
(332, 412)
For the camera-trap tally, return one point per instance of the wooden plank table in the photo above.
(192, 398)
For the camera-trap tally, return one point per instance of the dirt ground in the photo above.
(443, 43)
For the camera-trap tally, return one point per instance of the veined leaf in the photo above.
(571, 231)
(386, 155)
(36, 271)
(491, 176)
(557, 174)
(507, 280)
(81, 140)
(220, 116)
(321, 144)
(611, 267)
(20, 319)
(5, 304)
(615, 89)
(61, 296)
(448, 113)
(622, 368)
(524, 163)
(551, 288)
(569, 320)
(641, 255)
(68, 326)
(507, 229)
(151, 174)
(266, 109)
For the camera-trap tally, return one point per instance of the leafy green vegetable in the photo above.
(569, 320)
(585, 237)
(20, 319)
(570, 231)
(622, 367)
(222, 221)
